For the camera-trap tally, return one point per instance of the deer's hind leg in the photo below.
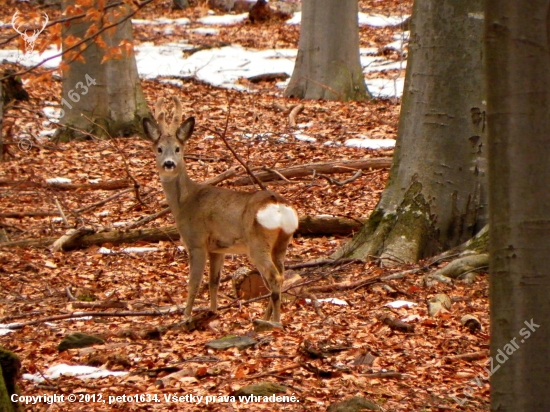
(261, 256)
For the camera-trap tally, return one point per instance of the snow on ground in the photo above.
(224, 67)
(378, 20)
(80, 371)
(226, 19)
(183, 21)
(374, 20)
(366, 143)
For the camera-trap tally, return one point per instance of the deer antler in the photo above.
(176, 119)
(160, 115)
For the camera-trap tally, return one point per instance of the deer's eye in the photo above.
(177, 149)
(159, 149)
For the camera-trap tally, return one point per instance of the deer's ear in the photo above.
(151, 129)
(185, 131)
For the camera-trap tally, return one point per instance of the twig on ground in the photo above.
(293, 113)
(343, 182)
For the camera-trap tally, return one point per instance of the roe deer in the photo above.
(213, 221)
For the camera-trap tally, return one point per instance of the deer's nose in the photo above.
(169, 164)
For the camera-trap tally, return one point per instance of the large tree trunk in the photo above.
(328, 66)
(518, 82)
(115, 103)
(436, 194)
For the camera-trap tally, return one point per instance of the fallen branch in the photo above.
(311, 225)
(20, 215)
(160, 312)
(471, 356)
(345, 285)
(20, 184)
(344, 166)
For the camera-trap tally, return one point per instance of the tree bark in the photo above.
(435, 197)
(309, 225)
(518, 83)
(102, 93)
(10, 366)
(328, 66)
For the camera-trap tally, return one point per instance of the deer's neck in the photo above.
(177, 189)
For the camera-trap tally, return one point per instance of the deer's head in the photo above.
(169, 139)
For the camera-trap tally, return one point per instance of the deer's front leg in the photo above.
(197, 262)
(216, 263)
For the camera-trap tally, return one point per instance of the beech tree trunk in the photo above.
(328, 66)
(518, 83)
(101, 85)
(435, 197)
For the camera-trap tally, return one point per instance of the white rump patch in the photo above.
(278, 216)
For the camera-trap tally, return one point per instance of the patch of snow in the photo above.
(224, 67)
(370, 143)
(107, 251)
(377, 64)
(296, 19)
(368, 51)
(334, 301)
(52, 113)
(378, 20)
(183, 21)
(305, 138)
(374, 20)
(400, 304)
(226, 19)
(4, 328)
(33, 58)
(79, 371)
(386, 87)
(61, 180)
(207, 31)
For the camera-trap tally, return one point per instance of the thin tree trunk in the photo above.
(328, 66)
(435, 196)
(518, 81)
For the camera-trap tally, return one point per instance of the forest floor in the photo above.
(329, 351)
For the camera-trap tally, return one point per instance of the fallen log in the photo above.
(310, 225)
(345, 166)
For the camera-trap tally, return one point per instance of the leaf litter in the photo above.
(399, 371)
